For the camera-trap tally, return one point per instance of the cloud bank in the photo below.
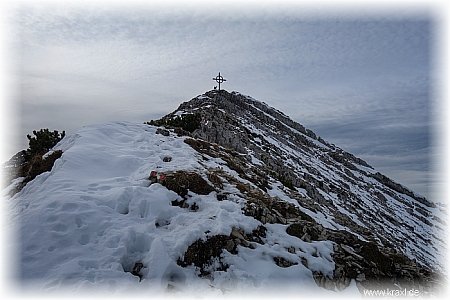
(363, 83)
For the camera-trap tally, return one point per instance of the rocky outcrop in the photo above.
(288, 175)
(370, 265)
(181, 182)
(401, 189)
(206, 254)
(31, 168)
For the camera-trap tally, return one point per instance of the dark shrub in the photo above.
(189, 122)
(29, 163)
(43, 141)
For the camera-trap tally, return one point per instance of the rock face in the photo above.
(383, 233)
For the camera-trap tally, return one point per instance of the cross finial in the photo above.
(219, 79)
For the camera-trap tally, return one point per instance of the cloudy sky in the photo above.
(363, 81)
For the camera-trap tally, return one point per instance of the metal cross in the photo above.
(219, 79)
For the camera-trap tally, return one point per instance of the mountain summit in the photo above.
(224, 193)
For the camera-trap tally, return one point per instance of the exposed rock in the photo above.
(137, 270)
(40, 164)
(222, 196)
(361, 277)
(254, 158)
(401, 189)
(215, 180)
(16, 166)
(162, 131)
(282, 262)
(325, 184)
(194, 207)
(167, 158)
(257, 235)
(181, 182)
(180, 203)
(235, 233)
(306, 230)
(230, 245)
(324, 281)
(36, 166)
(363, 261)
(201, 253)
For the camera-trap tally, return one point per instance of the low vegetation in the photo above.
(188, 122)
(31, 162)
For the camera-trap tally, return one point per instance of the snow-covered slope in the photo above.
(251, 199)
(340, 190)
(95, 215)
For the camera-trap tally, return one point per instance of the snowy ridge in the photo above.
(94, 215)
(362, 200)
(250, 199)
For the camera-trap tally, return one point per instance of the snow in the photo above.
(90, 219)
(95, 215)
(277, 191)
(12, 186)
(364, 205)
(180, 113)
(255, 161)
(364, 168)
(255, 266)
(314, 141)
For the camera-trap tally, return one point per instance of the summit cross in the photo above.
(219, 79)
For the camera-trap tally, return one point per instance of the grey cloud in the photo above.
(361, 83)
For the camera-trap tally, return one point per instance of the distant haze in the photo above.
(362, 82)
